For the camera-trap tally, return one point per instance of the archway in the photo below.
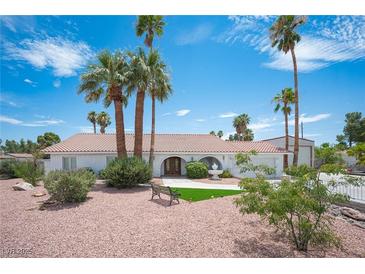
(210, 161)
(173, 166)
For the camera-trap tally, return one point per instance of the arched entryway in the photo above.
(210, 161)
(173, 166)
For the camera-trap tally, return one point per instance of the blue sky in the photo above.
(220, 67)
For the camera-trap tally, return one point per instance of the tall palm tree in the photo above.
(248, 136)
(103, 120)
(240, 123)
(152, 25)
(283, 35)
(106, 79)
(140, 81)
(283, 100)
(91, 116)
(160, 89)
(149, 25)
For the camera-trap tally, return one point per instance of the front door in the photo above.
(173, 166)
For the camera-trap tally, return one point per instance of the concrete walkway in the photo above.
(186, 183)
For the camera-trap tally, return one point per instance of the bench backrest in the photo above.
(161, 189)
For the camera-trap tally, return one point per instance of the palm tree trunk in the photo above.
(286, 139)
(102, 130)
(94, 124)
(296, 101)
(119, 127)
(138, 124)
(152, 146)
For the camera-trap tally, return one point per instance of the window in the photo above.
(68, 163)
(109, 159)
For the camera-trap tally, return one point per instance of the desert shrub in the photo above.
(327, 154)
(226, 174)
(29, 171)
(196, 170)
(88, 169)
(243, 161)
(299, 171)
(7, 168)
(69, 186)
(127, 172)
(102, 174)
(297, 207)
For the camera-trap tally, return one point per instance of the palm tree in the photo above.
(248, 136)
(149, 25)
(160, 89)
(103, 120)
(91, 116)
(107, 79)
(240, 123)
(283, 101)
(220, 134)
(212, 133)
(283, 35)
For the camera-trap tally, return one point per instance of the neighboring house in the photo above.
(306, 149)
(16, 156)
(172, 152)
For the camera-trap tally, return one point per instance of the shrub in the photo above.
(69, 186)
(7, 168)
(196, 170)
(127, 172)
(299, 171)
(297, 207)
(226, 174)
(29, 172)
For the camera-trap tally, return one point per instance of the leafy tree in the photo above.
(354, 129)
(358, 151)
(29, 171)
(220, 134)
(284, 36)
(48, 139)
(283, 101)
(103, 120)
(212, 133)
(12, 146)
(107, 79)
(327, 154)
(296, 207)
(341, 142)
(91, 116)
(243, 161)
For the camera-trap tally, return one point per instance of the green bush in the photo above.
(7, 168)
(29, 172)
(127, 172)
(69, 186)
(299, 171)
(226, 174)
(196, 170)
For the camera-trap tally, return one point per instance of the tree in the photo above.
(12, 146)
(327, 154)
(212, 133)
(220, 134)
(358, 152)
(283, 100)
(141, 80)
(103, 120)
(108, 78)
(341, 142)
(283, 35)
(47, 139)
(91, 116)
(354, 129)
(248, 136)
(240, 123)
(149, 25)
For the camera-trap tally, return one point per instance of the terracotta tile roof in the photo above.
(194, 143)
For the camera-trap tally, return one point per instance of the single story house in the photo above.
(16, 156)
(172, 152)
(306, 149)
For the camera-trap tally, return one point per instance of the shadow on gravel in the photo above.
(49, 205)
(163, 202)
(109, 189)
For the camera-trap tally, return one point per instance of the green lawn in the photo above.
(198, 194)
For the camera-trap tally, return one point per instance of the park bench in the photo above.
(157, 190)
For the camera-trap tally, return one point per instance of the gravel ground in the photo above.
(125, 223)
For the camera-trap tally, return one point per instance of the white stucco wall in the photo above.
(306, 150)
(98, 161)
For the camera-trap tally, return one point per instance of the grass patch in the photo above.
(198, 194)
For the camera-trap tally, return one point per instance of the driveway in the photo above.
(186, 183)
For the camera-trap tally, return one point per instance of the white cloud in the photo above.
(263, 124)
(57, 83)
(167, 114)
(86, 129)
(196, 35)
(228, 115)
(32, 125)
(9, 120)
(182, 112)
(200, 120)
(310, 119)
(63, 56)
(30, 82)
(324, 42)
(50, 122)
(8, 22)
(7, 102)
(226, 135)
